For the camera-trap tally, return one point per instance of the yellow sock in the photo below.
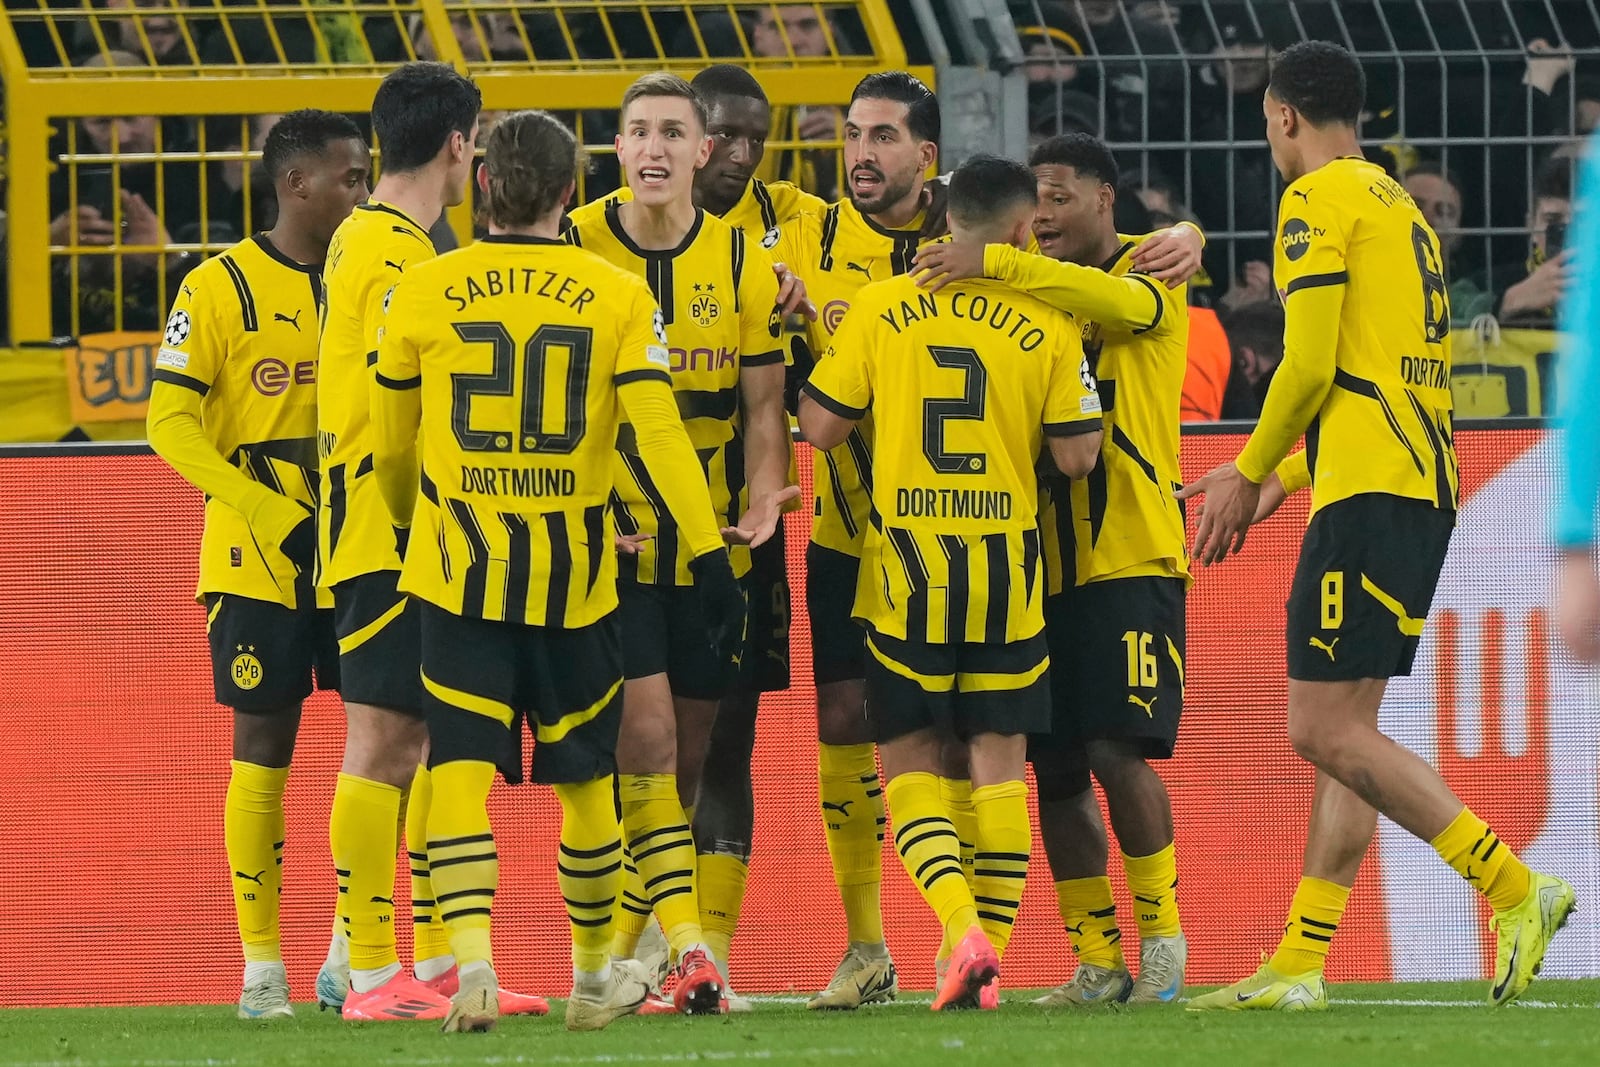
(632, 913)
(1153, 882)
(722, 881)
(663, 850)
(1476, 854)
(1090, 916)
(430, 938)
(361, 837)
(931, 853)
(853, 820)
(589, 867)
(1313, 920)
(462, 859)
(956, 793)
(252, 830)
(1000, 857)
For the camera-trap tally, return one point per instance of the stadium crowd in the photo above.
(1483, 133)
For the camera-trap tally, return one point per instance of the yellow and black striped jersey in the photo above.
(511, 355)
(718, 301)
(964, 384)
(836, 253)
(760, 214)
(1366, 366)
(1121, 521)
(370, 250)
(233, 409)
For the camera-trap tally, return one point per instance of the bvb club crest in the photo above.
(703, 307)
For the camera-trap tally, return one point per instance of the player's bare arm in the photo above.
(766, 454)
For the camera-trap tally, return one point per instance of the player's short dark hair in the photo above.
(308, 131)
(1083, 152)
(725, 79)
(903, 87)
(1321, 80)
(532, 157)
(417, 108)
(662, 83)
(985, 187)
(1553, 179)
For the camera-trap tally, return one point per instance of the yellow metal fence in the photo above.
(133, 132)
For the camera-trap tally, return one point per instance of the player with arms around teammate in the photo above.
(425, 116)
(738, 118)
(717, 297)
(1117, 570)
(233, 410)
(1366, 377)
(966, 385)
(520, 354)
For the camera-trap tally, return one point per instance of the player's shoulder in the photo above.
(377, 233)
(789, 201)
(595, 210)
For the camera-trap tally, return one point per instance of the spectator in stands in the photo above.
(1051, 41)
(229, 182)
(1255, 336)
(1438, 194)
(1143, 37)
(480, 36)
(1526, 293)
(794, 30)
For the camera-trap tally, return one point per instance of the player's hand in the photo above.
(760, 521)
(1540, 290)
(300, 545)
(402, 539)
(1225, 514)
(792, 299)
(1171, 257)
(721, 602)
(630, 544)
(93, 228)
(1272, 494)
(1578, 605)
(937, 265)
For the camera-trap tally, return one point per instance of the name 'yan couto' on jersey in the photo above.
(242, 336)
(964, 383)
(1385, 425)
(718, 301)
(370, 251)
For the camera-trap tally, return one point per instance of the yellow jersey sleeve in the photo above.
(193, 351)
(1072, 403)
(644, 389)
(396, 408)
(1121, 304)
(760, 323)
(1294, 472)
(841, 380)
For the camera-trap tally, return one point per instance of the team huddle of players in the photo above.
(541, 480)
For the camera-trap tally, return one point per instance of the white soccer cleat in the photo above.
(595, 1009)
(267, 997)
(1161, 964)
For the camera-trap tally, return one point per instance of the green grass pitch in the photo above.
(1367, 1026)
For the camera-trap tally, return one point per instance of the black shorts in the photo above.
(1368, 568)
(838, 641)
(1116, 668)
(264, 656)
(966, 689)
(764, 667)
(567, 685)
(380, 643)
(664, 632)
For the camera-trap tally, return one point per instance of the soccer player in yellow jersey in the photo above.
(425, 118)
(738, 118)
(1117, 569)
(718, 302)
(233, 410)
(966, 386)
(1366, 378)
(517, 357)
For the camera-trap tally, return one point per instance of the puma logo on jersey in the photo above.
(843, 807)
(1302, 194)
(1317, 642)
(188, 292)
(856, 266)
(400, 266)
(1147, 706)
(278, 316)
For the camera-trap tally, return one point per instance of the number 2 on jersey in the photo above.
(937, 411)
(568, 345)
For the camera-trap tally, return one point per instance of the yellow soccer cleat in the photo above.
(1524, 935)
(1267, 990)
(475, 1008)
(621, 994)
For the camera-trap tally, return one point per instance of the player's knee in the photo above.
(1311, 739)
(383, 745)
(842, 714)
(265, 739)
(1117, 764)
(1061, 779)
(456, 734)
